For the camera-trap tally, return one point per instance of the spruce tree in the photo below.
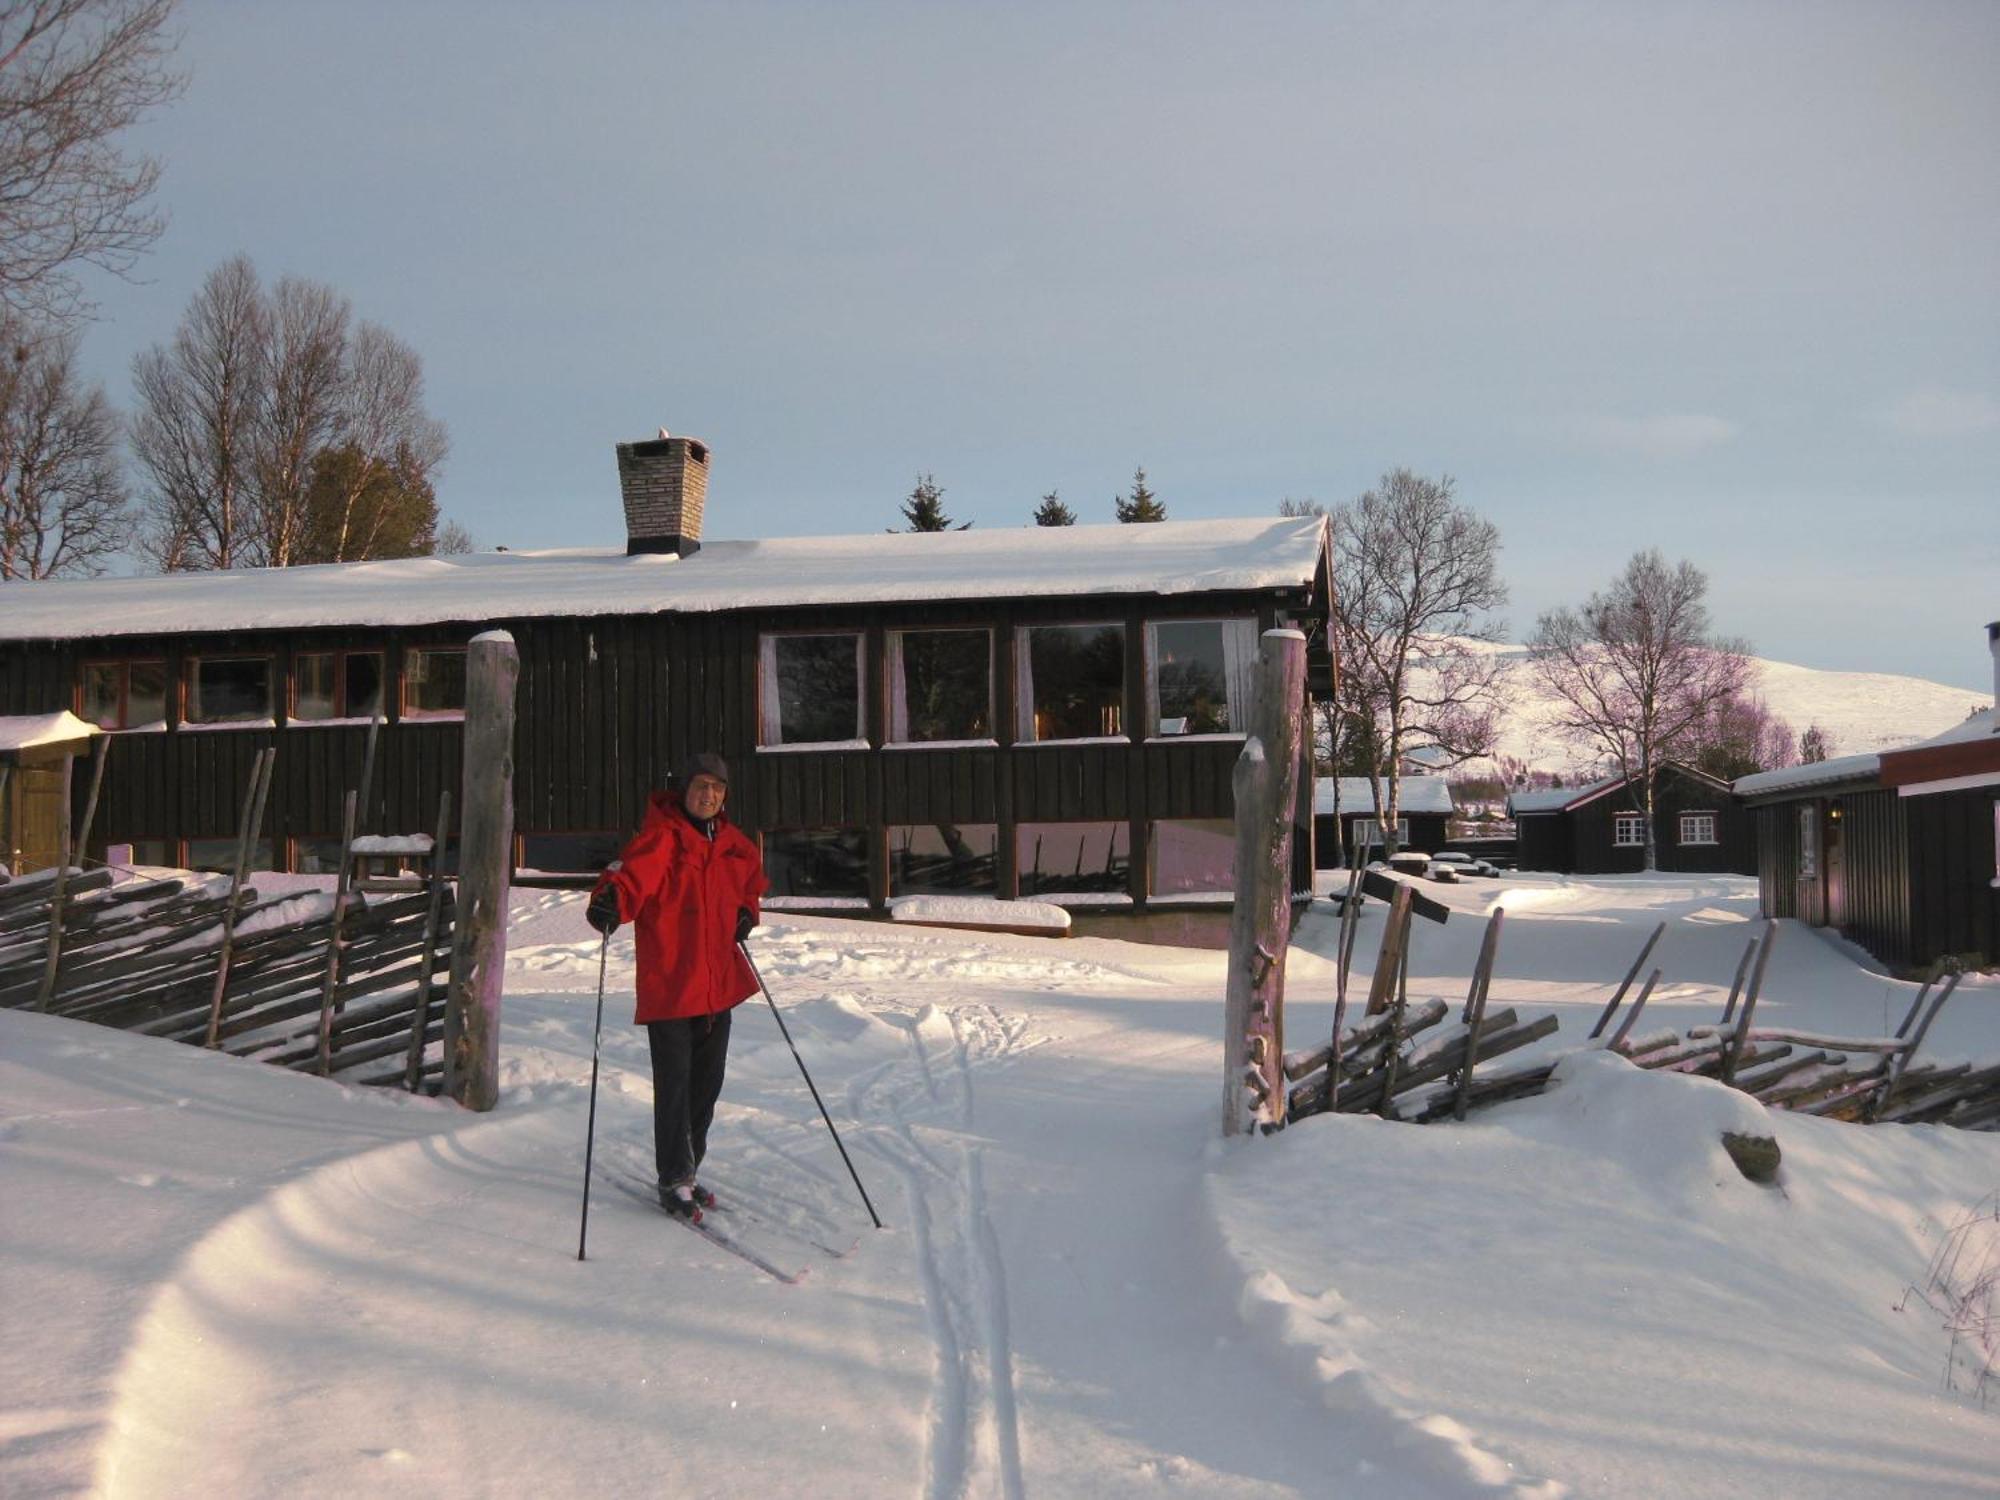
(1815, 745)
(1140, 505)
(1052, 512)
(924, 510)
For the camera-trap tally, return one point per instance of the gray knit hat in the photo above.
(708, 763)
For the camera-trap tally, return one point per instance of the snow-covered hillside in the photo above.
(218, 1277)
(1860, 711)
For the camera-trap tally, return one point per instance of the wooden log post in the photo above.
(1630, 975)
(485, 869)
(1733, 1053)
(246, 840)
(1266, 787)
(64, 859)
(420, 1022)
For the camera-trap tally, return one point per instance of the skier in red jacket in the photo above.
(689, 881)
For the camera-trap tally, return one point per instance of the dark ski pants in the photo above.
(688, 1058)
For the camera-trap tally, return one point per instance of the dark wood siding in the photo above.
(1875, 898)
(1954, 909)
(1544, 840)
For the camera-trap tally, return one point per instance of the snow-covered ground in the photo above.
(217, 1277)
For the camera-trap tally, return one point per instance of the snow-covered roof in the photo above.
(1817, 773)
(1166, 557)
(1983, 725)
(1556, 798)
(26, 731)
(1419, 794)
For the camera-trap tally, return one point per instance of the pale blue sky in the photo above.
(1721, 278)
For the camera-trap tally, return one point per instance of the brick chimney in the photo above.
(664, 481)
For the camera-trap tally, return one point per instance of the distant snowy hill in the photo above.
(1861, 711)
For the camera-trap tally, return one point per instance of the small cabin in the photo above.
(1345, 820)
(1600, 829)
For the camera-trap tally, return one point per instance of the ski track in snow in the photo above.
(973, 1444)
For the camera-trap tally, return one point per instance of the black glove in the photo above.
(745, 923)
(602, 913)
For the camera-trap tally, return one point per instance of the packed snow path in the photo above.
(220, 1278)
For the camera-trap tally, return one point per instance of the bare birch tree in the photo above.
(1636, 672)
(302, 409)
(201, 398)
(1415, 578)
(63, 506)
(75, 74)
(384, 423)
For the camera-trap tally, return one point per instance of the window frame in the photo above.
(192, 664)
(123, 665)
(1024, 681)
(403, 679)
(1808, 841)
(1151, 672)
(895, 665)
(343, 711)
(767, 693)
(1714, 821)
(1620, 822)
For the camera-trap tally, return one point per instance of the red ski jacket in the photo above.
(681, 891)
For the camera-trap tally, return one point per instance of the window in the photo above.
(433, 682)
(575, 853)
(124, 694)
(943, 859)
(1072, 683)
(337, 685)
(817, 862)
(1061, 858)
(1809, 842)
(940, 685)
(1698, 828)
(1193, 856)
(1368, 833)
(218, 856)
(229, 690)
(809, 690)
(1202, 672)
(1628, 831)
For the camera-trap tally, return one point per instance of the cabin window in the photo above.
(1201, 675)
(940, 685)
(1192, 857)
(1368, 833)
(124, 694)
(127, 853)
(809, 690)
(1809, 842)
(943, 859)
(1072, 681)
(228, 690)
(433, 682)
(1064, 858)
(336, 685)
(1628, 831)
(320, 855)
(218, 856)
(817, 863)
(570, 853)
(1698, 828)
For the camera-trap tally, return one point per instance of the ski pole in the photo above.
(785, 1030)
(590, 1134)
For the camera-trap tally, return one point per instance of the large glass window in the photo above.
(1202, 672)
(218, 856)
(1058, 858)
(337, 685)
(573, 853)
(940, 685)
(433, 682)
(229, 690)
(1072, 681)
(943, 859)
(124, 694)
(809, 690)
(1192, 856)
(824, 862)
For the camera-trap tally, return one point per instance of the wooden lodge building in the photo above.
(1600, 829)
(1424, 813)
(1043, 712)
(1897, 851)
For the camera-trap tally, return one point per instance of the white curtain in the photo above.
(1239, 669)
(770, 731)
(899, 695)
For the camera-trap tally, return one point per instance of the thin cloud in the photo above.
(1933, 412)
(1665, 435)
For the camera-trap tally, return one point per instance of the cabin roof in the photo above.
(1568, 799)
(1165, 558)
(1420, 794)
